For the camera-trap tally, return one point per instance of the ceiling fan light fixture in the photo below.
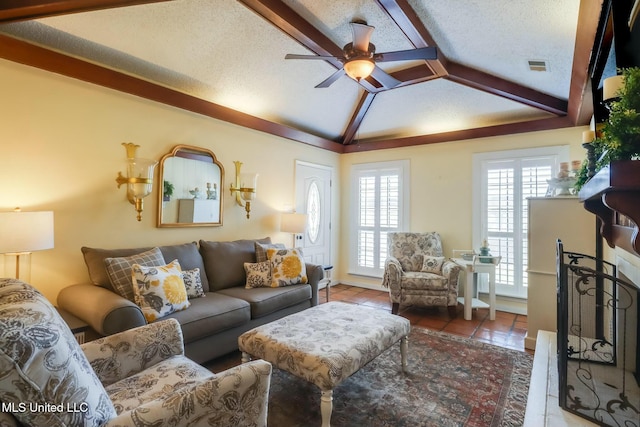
(360, 68)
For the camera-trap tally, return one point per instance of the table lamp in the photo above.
(294, 223)
(23, 233)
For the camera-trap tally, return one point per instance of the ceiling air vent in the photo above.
(537, 65)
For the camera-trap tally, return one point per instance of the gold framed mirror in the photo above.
(190, 194)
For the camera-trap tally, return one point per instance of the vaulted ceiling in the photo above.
(225, 59)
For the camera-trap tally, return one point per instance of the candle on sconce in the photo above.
(588, 136)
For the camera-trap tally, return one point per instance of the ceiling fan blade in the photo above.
(361, 35)
(385, 79)
(296, 56)
(425, 53)
(332, 78)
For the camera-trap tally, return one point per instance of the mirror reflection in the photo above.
(191, 193)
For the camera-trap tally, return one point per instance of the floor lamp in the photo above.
(294, 223)
(23, 233)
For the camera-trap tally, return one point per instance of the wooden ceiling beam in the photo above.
(461, 135)
(295, 26)
(356, 120)
(22, 10)
(401, 12)
(39, 57)
(580, 108)
(406, 19)
(476, 79)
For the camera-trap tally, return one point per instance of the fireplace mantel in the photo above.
(613, 195)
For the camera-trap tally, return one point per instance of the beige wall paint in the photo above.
(61, 140)
(61, 152)
(441, 185)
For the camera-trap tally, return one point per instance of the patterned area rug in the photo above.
(451, 381)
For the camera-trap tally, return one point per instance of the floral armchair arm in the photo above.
(121, 355)
(451, 271)
(392, 273)
(238, 396)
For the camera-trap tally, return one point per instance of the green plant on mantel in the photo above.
(620, 136)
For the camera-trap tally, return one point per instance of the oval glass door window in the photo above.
(313, 212)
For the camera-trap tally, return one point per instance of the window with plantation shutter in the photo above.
(379, 199)
(502, 183)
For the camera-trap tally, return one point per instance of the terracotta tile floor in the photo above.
(508, 330)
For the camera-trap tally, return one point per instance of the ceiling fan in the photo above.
(360, 58)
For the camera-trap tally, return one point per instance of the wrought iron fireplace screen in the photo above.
(598, 361)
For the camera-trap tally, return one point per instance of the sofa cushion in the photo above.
(119, 270)
(413, 280)
(187, 254)
(224, 261)
(159, 290)
(41, 363)
(189, 257)
(212, 314)
(265, 301)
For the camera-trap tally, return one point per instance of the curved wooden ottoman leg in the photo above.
(404, 346)
(326, 407)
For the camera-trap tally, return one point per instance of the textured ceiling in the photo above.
(226, 53)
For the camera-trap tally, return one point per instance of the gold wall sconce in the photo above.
(139, 178)
(245, 188)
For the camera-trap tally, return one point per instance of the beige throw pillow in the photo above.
(432, 264)
(258, 274)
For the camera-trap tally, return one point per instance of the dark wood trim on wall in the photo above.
(35, 56)
(576, 111)
(22, 10)
(485, 132)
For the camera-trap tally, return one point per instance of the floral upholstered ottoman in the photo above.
(326, 344)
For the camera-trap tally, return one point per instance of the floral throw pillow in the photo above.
(258, 274)
(287, 267)
(159, 290)
(193, 283)
(432, 264)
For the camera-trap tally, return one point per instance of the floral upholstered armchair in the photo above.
(417, 273)
(139, 377)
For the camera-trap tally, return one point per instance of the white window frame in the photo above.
(402, 167)
(559, 153)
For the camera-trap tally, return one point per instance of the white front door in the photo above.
(313, 197)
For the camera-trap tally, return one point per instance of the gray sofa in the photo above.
(212, 324)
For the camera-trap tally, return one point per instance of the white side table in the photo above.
(470, 301)
(326, 280)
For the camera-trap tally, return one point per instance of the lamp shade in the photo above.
(25, 231)
(293, 223)
(359, 68)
